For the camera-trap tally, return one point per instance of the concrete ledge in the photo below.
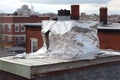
(32, 68)
(15, 68)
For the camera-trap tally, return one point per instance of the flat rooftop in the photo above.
(110, 26)
(28, 68)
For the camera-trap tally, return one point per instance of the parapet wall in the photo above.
(109, 38)
(108, 71)
(107, 68)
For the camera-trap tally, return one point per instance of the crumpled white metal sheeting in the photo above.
(71, 39)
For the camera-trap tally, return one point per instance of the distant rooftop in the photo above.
(110, 26)
(35, 25)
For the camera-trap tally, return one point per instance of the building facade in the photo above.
(109, 37)
(34, 38)
(12, 29)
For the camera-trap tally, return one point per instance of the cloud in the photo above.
(43, 6)
(66, 1)
(113, 6)
(10, 6)
(90, 8)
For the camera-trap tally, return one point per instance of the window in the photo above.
(20, 41)
(22, 28)
(34, 45)
(9, 28)
(22, 38)
(0, 27)
(3, 28)
(16, 40)
(9, 39)
(16, 28)
(3, 38)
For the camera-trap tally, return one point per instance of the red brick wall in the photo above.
(33, 33)
(109, 40)
(6, 20)
(20, 19)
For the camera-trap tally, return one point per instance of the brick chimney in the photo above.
(63, 14)
(75, 12)
(103, 15)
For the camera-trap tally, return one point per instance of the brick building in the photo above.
(109, 36)
(34, 38)
(12, 28)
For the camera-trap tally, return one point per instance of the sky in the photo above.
(45, 6)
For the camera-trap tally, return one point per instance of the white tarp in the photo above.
(69, 40)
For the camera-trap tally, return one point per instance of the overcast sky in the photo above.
(43, 6)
